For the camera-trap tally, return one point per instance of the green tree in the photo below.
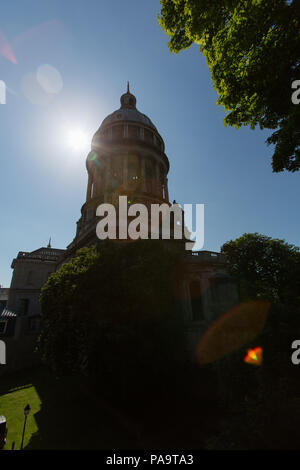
(265, 267)
(111, 313)
(252, 49)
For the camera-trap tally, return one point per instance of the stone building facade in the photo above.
(20, 320)
(30, 272)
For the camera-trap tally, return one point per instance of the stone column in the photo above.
(166, 189)
(143, 173)
(89, 188)
(106, 178)
(98, 183)
(157, 180)
(125, 170)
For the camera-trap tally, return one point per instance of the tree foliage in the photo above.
(252, 49)
(265, 267)
(111, 313)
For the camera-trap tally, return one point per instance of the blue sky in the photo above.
(96, 46)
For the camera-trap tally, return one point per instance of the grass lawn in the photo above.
(12, 405)
(64, 414)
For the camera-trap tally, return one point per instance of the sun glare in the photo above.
(78, 140)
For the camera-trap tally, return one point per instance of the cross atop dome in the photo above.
(128, 100)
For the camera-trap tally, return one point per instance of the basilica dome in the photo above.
(127, 112)
(127, 126)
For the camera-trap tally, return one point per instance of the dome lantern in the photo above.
(128, 100)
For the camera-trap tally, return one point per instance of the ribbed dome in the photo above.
(128, 112)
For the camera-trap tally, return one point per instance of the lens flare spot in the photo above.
(49, 79)
(254, 356)
(5, 49)
(93, 157)
(235, 329)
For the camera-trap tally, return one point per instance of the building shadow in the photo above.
(74, 416)
(71, 418)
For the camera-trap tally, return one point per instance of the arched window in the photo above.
(149, 176)
(118, 131)
(134, 171)
(148, 135)
(116, 172)
(133, 132)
